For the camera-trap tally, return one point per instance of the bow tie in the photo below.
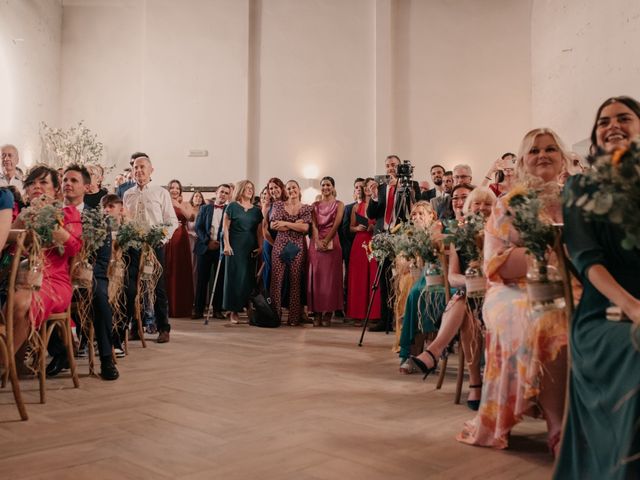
(218, 206)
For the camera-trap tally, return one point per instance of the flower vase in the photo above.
(82, 275)
(29, 275)
(544, 287)
(434, 278)
(474, 281)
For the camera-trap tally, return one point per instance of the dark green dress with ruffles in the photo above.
(601, 438)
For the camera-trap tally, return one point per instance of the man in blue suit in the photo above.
(207, 249)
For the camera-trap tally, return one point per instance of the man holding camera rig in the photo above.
(390, 204)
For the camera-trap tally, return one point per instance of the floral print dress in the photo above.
(518, 342)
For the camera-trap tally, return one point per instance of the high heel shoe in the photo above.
(474, 404)
(423, 367)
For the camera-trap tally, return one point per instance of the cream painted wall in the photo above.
(461, 81)
(30, 33)
(582, 53)
(163, 77)
(317, 100)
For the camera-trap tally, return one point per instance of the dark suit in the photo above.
(443, 208)
(428, 195)
(345, 234)
(376, 210)
(207, 260)
(124, 187)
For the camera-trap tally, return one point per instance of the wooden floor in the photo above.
(238, 402)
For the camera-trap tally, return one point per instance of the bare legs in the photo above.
(457, 318)
(552, 396)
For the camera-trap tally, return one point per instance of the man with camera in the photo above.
(390, 204)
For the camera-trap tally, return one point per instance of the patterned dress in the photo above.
(295, 268)
(325, 290)
(518, 342)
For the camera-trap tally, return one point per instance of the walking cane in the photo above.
(213, 291)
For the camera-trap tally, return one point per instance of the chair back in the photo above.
(13, 274)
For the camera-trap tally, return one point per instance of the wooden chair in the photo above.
(61, 321)
(138, 311)
(444, 260)
(6, 332)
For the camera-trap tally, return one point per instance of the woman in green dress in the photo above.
(601, 437)
(242, 246)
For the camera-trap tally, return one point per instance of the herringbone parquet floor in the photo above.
(238, 402)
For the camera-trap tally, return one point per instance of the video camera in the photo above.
(404, 173)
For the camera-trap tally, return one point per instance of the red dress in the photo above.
(54, 295)
(178, 270)
(361, 275)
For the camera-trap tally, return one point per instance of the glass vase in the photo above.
(29, 275)
(474, 281)
(544, 287)
(82, 275)
(433, 276)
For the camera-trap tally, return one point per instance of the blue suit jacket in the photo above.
(203, 229)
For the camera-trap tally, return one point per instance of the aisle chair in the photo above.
(6, 331)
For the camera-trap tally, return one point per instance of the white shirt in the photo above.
(215, 221)
(14, 181)
(157, 206)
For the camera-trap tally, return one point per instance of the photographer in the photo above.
(383, 208)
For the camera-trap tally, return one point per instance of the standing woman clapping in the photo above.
(242, 246)
(324, 288)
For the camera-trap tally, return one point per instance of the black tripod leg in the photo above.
(374, 288)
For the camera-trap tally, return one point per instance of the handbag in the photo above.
(261, 310)
(289, 252)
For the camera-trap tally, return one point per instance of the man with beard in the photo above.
(437, 174)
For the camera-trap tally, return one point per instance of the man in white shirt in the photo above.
(151, 205)
(10, 160)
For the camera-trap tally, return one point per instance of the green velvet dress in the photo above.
(240, 268)
(601, 438)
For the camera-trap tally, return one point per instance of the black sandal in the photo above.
(423, 367)
(474, 404)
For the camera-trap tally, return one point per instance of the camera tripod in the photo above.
(401, 210)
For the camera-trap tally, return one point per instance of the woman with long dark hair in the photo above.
(601, 437)
(324, 289)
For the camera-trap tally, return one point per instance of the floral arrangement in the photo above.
(95, 228)
(155, 235)
(415, 244)
(75, 145)
(381, 246)
(468, 236)
(613, 192)
(43, 217)
(525, 209)
(130, 235)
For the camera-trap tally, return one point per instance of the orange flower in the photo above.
(616, 158)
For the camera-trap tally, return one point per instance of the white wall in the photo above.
(317, 99)
(461, 81)
(272, 86)
(582, 53)
(29, 72)
(163, 77)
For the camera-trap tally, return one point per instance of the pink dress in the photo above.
(324, 286)
(55, 294)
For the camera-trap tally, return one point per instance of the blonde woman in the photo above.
(457, 317)
(242, 247)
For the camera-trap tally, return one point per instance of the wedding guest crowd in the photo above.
(316, 261)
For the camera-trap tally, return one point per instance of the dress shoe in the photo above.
(57, 365)
(197, 316)
(163, 337)
(108, 370)
(378, 327)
